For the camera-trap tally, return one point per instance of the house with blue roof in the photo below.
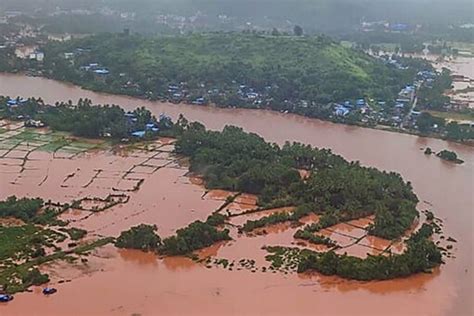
(341, 110)
(399, 27)
(13, 103)
(199, 101)
(131, 118)
(139, 134)
(102, 71)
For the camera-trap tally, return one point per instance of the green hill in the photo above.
(281, 70)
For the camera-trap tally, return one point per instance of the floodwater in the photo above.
(128, 282)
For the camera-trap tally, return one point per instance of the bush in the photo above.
(420, 256)
(141, 237)
(216, 219)
(34, 277)
(25, 208)
(196, 235)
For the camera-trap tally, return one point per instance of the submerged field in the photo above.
(99, 190)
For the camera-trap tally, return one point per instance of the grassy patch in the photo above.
(455, 116)
(54, 145)
(17, 278)
(21, 242)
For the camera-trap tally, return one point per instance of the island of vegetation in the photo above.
(445, 155)
(449, 156)
(421, 256)
(336, 190)
(196, 235)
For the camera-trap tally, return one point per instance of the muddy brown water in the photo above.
(127, 282)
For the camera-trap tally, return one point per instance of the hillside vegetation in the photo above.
(282, 70)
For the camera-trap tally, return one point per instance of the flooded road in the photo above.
(133, 282)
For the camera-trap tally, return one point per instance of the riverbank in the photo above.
(215, 291)
(213, 106)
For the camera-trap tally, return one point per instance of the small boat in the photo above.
(5, 298)
(49, 290)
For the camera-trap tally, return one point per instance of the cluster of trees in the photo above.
(431, 96)
(29, 108)
(459, 132)
(449, 156)
(283, 70)
(279, 217)
(25, 209)
(94, 121)
(141, 237)
(421, 256)
(352, 191)
(239, 161)
(428, 123)
(314, 239)
(34, 277)
(8, 62)
(86, 119)
(195, 236)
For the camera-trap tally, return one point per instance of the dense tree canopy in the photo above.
(195, 236)
(239, 161)
(141, 237)
(25, 208)
(280, 69)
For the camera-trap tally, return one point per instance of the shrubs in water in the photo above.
(25, 208)
(216, 219)
(449, 156)
(276, 218)
(392, 222)
(421, 256)
(141, 237)
(195, 236)
(328, 219)
(314, 239)
(265, 221)
(34, 277)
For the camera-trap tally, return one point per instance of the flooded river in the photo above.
(129, 282)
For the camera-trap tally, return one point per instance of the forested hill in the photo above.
(281, 68)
